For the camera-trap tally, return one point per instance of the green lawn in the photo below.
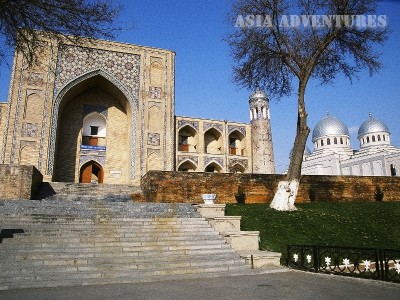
(372, 224)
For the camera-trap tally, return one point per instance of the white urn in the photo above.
(208, 198)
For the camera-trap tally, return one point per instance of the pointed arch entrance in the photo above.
(101, 100)
(91, 172)
(100, 92)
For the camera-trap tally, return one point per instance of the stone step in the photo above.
(120, 254)
(60, 244)
(30, 283)
(102, 224)
(129, 279)
(70, 219)
(103, 233)
(98, 247)
(98, 208)
(81, 266)
(124, 277)
(99, 220)
(55, 272)
(113, 267)
(63, 238)
(57, 190)
(83, 259)
(123, 232)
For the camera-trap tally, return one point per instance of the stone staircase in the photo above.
(84, 191)
(246, 243)
(67, 243)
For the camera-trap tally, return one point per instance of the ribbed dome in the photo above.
(258, 94)
(372, 125)
(329, 126)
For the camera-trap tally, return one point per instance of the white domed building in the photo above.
(333, 155)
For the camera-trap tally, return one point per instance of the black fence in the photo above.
(380, 264)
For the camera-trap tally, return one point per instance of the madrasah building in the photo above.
(104, 112)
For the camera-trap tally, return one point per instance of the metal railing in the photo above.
(370, 263)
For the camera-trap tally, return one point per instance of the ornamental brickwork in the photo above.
(43, 123)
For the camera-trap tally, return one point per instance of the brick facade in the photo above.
(43, 125)
(260, 188)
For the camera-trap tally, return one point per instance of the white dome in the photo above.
(258, 94)
(372, 125)
(329, 126)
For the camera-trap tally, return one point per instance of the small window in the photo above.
(328, 141)
(94, 130)
(335, 141)
(341, 141)
(322, 142)
(379, 137)
(367, 139)
(384, 138)
(373, 138)
(392, 170)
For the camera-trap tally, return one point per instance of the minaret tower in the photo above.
(261, 138)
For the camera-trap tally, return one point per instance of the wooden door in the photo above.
(91, 171)
(86, 173)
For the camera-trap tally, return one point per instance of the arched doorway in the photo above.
(94, 120)
(91, 172)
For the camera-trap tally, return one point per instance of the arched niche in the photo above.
(237, 168)
(187, 139)
(237, 143)
(213, 142)
(213, 167)
(187, 166)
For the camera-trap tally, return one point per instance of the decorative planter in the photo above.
(208, 198)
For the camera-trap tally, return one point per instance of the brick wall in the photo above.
(259, 188)
(19, 182)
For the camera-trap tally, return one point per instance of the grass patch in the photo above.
(357, 224)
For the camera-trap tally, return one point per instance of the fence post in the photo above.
(382, 265)
(316, 258)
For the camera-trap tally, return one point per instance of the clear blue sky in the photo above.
(204, 88)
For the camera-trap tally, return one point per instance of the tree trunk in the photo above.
(287, 190)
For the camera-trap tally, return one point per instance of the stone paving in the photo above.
(288, 285)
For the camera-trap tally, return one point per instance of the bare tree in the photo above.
(22, 22)
(279, 42)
